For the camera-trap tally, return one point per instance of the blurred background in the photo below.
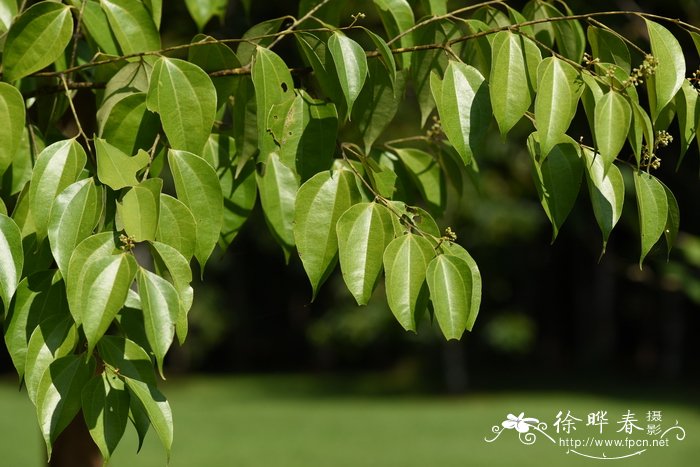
(267, 377)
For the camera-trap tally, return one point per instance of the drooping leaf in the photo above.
(412, 218)
(177, 226)
(203, 12)
(406, 261)
(428, 176)
(454, 249)
(129, 357)
(544, 31)
(12, 115)
(214, 56)
(161, 308)
(609, 48)
(129, 125)
(58, 397)
(385, 54)
(132, 25)
(673, 220)
(11, 258)
(558, 91)
(94, 21)
(464, 107)
(641, 131)
(319, 204)
(613, 116)
(131, 78)
(169, 260)
(688, 110)
(185, 98)
(259, 35)
(157, 408)
(106, 411)
(449, 281)
(36, 39)
(107, 282)
(592, 93)
(351, 65)
(116, 169)
(397, 17)
(140, 209)
(58, 166)
(571, 40)
(363, 232)
(670, 70)
(607, 192)
(198, 187)
(273, 85)
(315, 52)
(652, 206)
(8, 10)
(423, 64)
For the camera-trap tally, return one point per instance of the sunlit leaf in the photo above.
(11, 258)
(670, 70)
(428, 176)
(688, 110)
(129, 126)
(177, 226)
(132, 25)
(397, 17)
(273, 85)
(157, 408)
(607, 191)
(449, 280)
(652, 206)
(116, 169)
(176, 268)
(140, 209)
(351, 65)
(613, 116)
(12, 115)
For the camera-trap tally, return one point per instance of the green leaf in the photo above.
(12, 117)
(130, 79)
(558, 179)
(641, 129)
(54, 337)
(544, 31)
(424, 63)
(273, 85)
(92, 248)
(155, 7)
(315, 51)
(129, 126)
(351, 65)
(464, 107)
(161, 308)
(613, 116)
(688, 110)
(670, 71)
(139, 418)
(140, 209)
(609, 48)
(385, 54)
(672, 221)
(260, 35)
(397, 17)
(571, 40)
(203, 12)
(450, 283)
(426, 172)
(176, 226)
(11, 258)
(178, 269)
(157, 408)
(197, 186)
(652, 206)
(106, 411)
(592, 93)
(58, 398)
(363, 231)
(58, 166)
(74, 215)
(214, 56)
(607, 191)
(132, 25)
(116, 169)
(456, 250)
(107, 282)
(185, 98)
(406, 261)
(511, 85)
(8, 10)
(129, 357)
(319, 204)
(95, 23)
(36, 39)
(558, 90)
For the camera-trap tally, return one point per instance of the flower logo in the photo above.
(520, 423)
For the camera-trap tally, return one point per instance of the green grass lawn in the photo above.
(299, 421)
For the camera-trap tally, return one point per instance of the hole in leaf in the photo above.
(284, 87)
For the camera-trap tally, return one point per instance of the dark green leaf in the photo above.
(397, 17)
(609, 48)
(106, 410)
(213, 57)
(672, 220)
(203, 11)
(179, 273)
(128, 357)
(129, 126)
(176, 226)
(652, 206)
(688, 110)
(607, 192)
(258, 35)
(12, 117)
(427, 173)
(157, 408)
(132, 25)
(11, 258)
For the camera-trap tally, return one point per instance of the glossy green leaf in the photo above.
(558, 179)
(652, 206)
(424, 63)
(161, 308)
(169, 260)
(157, 408)
(397, 17)
(177, 226)
(58, 166)
(92, 248)
(116, 169)
(363, 231)
(607, 191)
(673, 220)
(454, 249)
(609, 48)
(544, 31)
(351, 65)
(132, 25)
(73, 217)
(592, 93)
(130, 79)
(106, 411)
(129, 125)
(139, 209)
(464, 107)
(185, 98)
(315, 52)
(273, 85)
(406, 261)
(571, 40)
(197, 186)
(428, 176)
(449, 281)
(203, 11)
(558, 91)
(319, 204)
(8, 10)
(11, 258)
(155, 8)
(107, 282)
(36, 39)
(58, 397)
(127, 356)
(511, 85)
(613, 116)
(212, 57)
(385, 54)
(54, 337)
(670, 71)
(12, 115)
(260, 35)
(641, 131)
(688, 111)
(95, 22)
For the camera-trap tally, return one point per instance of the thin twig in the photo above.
(75, 116)
(297, 22)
